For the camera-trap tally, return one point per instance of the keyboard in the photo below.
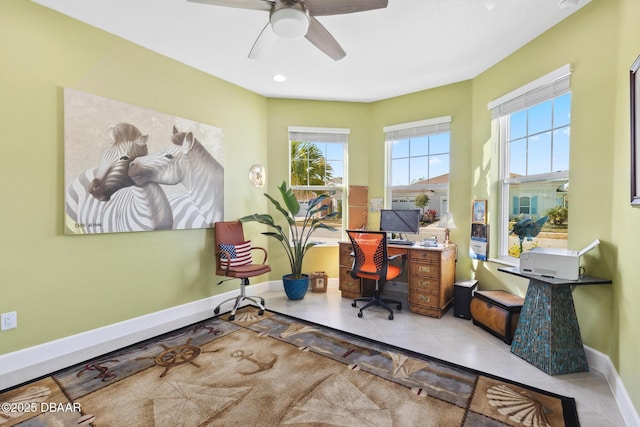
(399, 242)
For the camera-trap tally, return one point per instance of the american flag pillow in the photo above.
(240, 254)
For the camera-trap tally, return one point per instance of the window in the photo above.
(418, 169)
(522, 205)
(533, 125)
(318, 166)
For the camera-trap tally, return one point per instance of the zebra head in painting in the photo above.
(185, 161)
(106, 200)
(112, 174)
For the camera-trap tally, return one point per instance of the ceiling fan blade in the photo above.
(339, 7)
(239, 4)
(323, 40)
(262, 43)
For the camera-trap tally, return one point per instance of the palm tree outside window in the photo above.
(318, 166)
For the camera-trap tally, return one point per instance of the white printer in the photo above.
(556, 263)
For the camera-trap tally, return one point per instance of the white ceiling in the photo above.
(411, 45)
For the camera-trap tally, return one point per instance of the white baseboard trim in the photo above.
(602, 363)
(33, 362)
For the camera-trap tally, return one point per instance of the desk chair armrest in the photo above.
(227, 255)
(402, 265)
(264, 252)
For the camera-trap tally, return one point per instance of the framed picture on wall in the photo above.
(635, 131)
(479, 212)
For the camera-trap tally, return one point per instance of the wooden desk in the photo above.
(548, 334)
(430, 276)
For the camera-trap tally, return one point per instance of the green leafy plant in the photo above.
(294, 239)
(421, 200)
(557, 215)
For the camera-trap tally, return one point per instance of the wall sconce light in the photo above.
(257, 175)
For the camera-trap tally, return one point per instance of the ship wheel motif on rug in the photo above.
(176, 356)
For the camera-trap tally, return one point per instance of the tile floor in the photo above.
(455, 340)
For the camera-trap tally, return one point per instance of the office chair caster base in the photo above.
(399, 307)
(353, 304)
(232, 317)
(391, 317)
(216, 310)
(360, 314)
(260, 312)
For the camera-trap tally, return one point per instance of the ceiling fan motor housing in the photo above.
(289, 19)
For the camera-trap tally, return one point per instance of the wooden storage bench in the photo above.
(497, 312)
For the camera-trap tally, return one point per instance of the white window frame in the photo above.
(402, 131)
(549, 86)
(326, 135)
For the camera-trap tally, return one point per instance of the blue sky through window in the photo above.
(419, 158)
(539, 138)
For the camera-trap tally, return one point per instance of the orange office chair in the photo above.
(233, 259)
(372, 262)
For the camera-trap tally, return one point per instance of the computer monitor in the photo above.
(400, 221)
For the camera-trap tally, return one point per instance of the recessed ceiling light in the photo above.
(490, 5)
(279, 77)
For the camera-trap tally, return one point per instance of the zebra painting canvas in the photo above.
(185, 162)
(101, 195)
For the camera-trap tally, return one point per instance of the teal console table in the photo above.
(548, 334)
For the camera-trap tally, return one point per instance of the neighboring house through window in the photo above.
(533, 126)
(318, 166)
(418, 166)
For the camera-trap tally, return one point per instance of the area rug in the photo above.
(275, 370)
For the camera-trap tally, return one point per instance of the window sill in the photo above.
(325, 244)
(504, 261)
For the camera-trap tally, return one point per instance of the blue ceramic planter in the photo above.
(295, 288)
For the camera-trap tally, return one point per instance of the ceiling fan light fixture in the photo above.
(290, 22)
(567, 4)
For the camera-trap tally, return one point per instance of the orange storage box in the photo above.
(497, 312)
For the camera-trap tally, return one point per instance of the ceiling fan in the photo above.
(296, 18)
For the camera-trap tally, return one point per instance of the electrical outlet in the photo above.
(8, 321)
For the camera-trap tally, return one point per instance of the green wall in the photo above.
(453, 100)
(625, 221)
(62, 285)
(600, 41)
(283, 113)
(65, 285)
(593, 83)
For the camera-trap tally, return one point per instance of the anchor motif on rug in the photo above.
(261, 366)
(104, 374)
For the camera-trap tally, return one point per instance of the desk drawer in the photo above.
(345, 259)
(349, 284)
(424, 299)
(424, 269)
(424, 284)
(425, 256)
(345, 251)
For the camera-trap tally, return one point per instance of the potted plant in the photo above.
(295, 239)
